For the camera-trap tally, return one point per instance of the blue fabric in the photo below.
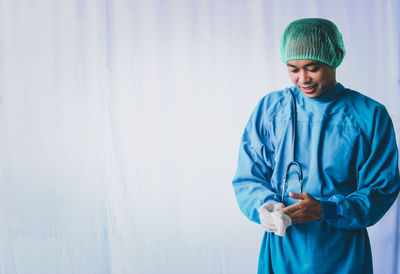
(347, 148)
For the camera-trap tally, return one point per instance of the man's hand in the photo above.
(306, 210)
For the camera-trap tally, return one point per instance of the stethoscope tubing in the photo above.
(293, 162)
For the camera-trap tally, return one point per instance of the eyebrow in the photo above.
(306, 65)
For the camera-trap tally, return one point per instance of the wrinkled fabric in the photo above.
(347, 148)
(313, 38)
(273, 219)
(266, 218)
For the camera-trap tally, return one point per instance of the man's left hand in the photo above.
(306, 210)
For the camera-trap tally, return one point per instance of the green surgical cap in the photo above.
(313, 38)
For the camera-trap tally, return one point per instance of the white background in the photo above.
(120, 124)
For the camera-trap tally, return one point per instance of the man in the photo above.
(317, 162)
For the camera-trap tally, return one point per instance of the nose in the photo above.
(304, 78)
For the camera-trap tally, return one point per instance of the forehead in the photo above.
(303, 63)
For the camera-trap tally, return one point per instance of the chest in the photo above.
(328, 145)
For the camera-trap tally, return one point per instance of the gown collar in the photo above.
(326, 97)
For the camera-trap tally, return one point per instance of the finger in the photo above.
(294, 221)
(289, 210)
(298, 196)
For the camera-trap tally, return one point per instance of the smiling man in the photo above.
(317, 162)
(313, 78)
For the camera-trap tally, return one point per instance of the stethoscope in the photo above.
(299, 170)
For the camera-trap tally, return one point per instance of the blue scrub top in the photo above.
(347, 148)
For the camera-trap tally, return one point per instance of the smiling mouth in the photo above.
(308, 89)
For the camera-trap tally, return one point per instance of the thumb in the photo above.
(299, 196)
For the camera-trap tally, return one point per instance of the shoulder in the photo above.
(364, 106)
(362, 100)
(272, 103)
(368, 113)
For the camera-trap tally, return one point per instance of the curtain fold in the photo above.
(120, 123)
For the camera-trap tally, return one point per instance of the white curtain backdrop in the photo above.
(120, 124)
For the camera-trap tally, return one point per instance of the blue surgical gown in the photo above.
(347, 148)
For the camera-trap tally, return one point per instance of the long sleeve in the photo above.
(378, 181)
(255, 166)
(347, 149)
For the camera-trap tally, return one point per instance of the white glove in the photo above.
(273, 219)
(281, 221)
(265, 211)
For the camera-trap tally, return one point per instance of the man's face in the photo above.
(313, 78)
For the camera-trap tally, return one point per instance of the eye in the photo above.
(314, 68)
(293, 70)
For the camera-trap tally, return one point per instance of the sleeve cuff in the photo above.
(330, 211)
